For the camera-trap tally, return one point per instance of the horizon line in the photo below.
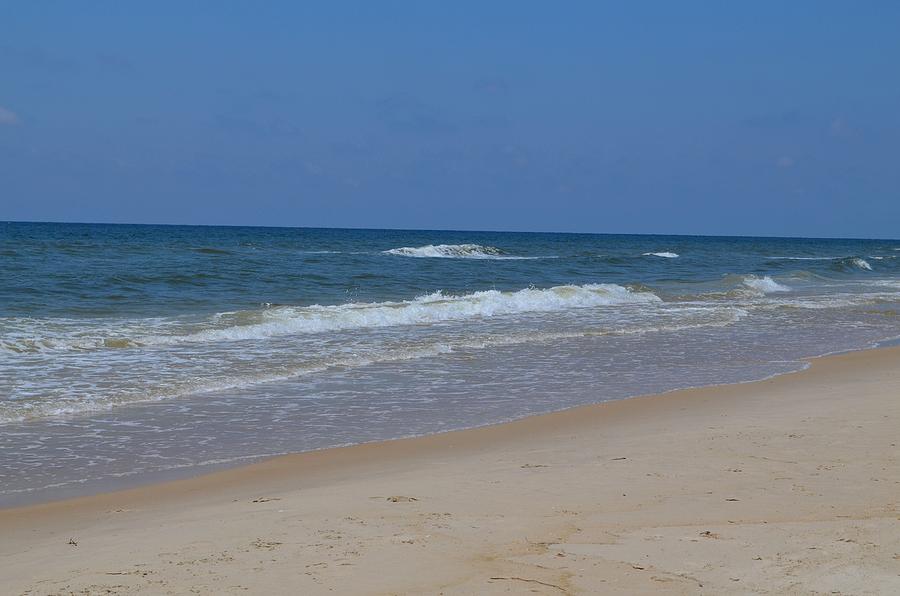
(457, 230)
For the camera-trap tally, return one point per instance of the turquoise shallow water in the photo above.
(133, 352)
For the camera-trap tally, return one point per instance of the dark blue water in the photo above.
(130, 351)
(61, 270)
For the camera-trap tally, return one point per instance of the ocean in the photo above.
(133, 353)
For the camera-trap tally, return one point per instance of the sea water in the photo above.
(132, 353)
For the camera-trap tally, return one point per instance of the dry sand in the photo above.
(785, 486)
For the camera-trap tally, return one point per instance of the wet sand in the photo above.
(789, 485)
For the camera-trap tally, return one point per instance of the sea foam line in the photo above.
(277, 321)
(28, 411)
(431, 308)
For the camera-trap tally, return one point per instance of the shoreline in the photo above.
(166, 476)
(344, 454)
(784, 484)
(194, 471)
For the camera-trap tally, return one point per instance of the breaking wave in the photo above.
(838, 262)
(765, 285)
(277, 321)
(861, 264)
(849, 263)
(665, 255)
(453, 251)
(432, 308)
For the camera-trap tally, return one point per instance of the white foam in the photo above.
(711, 317)
(432, 308)
(31, 336)
(861, 263)
(807, 258)
(453, 251)
(766, 284)
(26, 335)
(665, 255)
(692, 318)
(28, 411)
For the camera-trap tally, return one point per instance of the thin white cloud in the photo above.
(840, 128)
(785, 162)
(8, 117)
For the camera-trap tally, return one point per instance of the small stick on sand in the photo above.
(533, 581)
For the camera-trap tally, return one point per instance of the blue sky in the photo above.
(659, 117)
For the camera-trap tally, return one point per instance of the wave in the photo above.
(432, 308)
(211, 251)
(665, 255)
(855, 263)
(27, 411)
(288, 320)
(861, 264)
(733, 287)
(840, 300)
(24, 335)
(453, 251)
(808, 276)
(851, 262)
(765, 285)
(806, 258)
(708, 317)
(837, 263)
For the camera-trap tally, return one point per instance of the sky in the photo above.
(751, 118)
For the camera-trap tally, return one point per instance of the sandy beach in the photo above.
(427, 298)
(788, 486)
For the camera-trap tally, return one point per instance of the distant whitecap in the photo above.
(452, 251)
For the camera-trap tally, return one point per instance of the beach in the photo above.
(788, 485)
(427, 298)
